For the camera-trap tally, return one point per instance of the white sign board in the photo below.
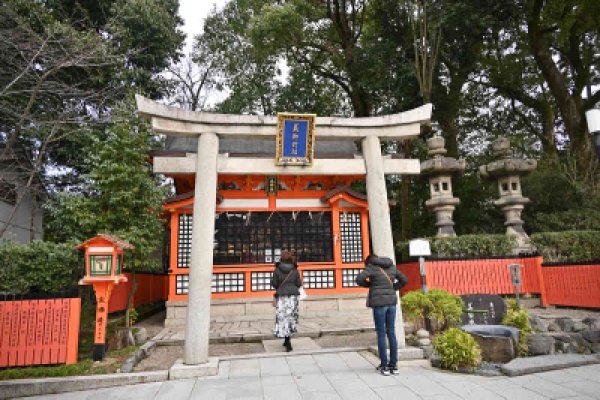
(419, 248)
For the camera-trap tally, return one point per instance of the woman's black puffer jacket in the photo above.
(293, 282)
(381, 291)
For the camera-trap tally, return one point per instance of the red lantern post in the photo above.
(103, 264)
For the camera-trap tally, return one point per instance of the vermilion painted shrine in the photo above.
(224, 171)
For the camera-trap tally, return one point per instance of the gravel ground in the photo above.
(153, 324)
(164, 357)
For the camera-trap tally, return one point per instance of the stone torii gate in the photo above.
(207, 164)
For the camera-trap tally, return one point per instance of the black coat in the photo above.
(381, 291)
(293, 282)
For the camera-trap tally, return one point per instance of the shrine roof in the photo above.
(343, 189)
(108, 237)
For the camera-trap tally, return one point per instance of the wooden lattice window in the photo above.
(351, 234)
(349, 277)
(261, 281)
(318, 279)
(260, 237)
(184, 241)
(182, 284)
(227, 283)
(221, 283)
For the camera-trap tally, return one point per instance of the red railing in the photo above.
(476, 276)
(38, 332)
(149, 289)
(573, 285)
(566, 285)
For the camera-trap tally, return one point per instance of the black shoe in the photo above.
(393, 369)
(288, 347)
(383, 370)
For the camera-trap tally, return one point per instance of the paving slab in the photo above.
(258, 329)
(279, 392)
(176, 390)
(34, 387)
(543, 386)
(529, 365)
(298, 343)
(244, 368)
(179, 370)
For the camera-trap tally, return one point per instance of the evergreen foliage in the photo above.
(457, 349)
(465, 246)
(39, 267)
(122, 196)
(519, 318)
(568, 246)
(439, 305)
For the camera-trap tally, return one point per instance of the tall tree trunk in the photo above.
(406, 209)
(547, 138)
(569, 105)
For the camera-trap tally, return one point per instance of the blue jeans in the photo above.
(385, 319)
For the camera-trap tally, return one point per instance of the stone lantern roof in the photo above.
(439, 164)
(506, 165)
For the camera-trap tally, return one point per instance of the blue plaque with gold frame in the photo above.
(295, 139)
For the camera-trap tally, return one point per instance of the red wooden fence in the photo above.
(477, 276)
(37, 332)
(566, 285)
(573, 285)
(150, 288)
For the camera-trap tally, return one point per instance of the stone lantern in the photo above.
(440, 169)
(508, 171)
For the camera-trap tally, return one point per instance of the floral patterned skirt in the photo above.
(286, 316)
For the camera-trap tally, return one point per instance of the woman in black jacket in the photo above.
(383, 280)
(286, 281)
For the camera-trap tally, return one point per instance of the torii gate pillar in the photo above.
(379, 214)
(203, 232)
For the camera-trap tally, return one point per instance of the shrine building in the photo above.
(240, 202)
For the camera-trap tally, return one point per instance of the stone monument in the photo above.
(508, 171)
(440, 169)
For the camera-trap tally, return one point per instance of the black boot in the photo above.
(288, 344)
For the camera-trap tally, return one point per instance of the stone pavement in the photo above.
(351, 375)
(254, 331)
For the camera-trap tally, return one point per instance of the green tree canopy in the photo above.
(121, 194)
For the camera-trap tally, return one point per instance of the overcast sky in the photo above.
(193, 13)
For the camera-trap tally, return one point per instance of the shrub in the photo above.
(445, 308)
(465, 246)
(519, 318)
(457, 349)
(39, 267)
(413, 305)
(442, 307)
(568, 246)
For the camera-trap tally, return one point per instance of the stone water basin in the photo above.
(499, 343)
